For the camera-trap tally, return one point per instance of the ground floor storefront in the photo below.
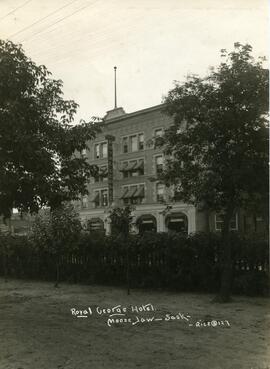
(180, 218)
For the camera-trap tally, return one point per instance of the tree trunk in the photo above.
(226, 260)
(128, 268)
(57, 273)
(5, 258)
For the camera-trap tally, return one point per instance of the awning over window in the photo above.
(125, 194)
(139, 192)
(139, 165)
(103, 172)
(132, 192)
(129, 167)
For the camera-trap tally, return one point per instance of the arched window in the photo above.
(146, 222)
(177, 222)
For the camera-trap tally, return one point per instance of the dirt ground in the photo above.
(38, 330)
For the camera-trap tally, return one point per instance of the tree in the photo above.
(218, 144)
(38, 140)
(57, 232)
(121, 219)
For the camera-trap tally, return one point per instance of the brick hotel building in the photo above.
(135, 163)
(128, 164)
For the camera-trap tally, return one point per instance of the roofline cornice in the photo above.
(135, 113)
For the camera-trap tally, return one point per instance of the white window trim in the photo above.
(156, 192)
(128, 137)
(100, 151)
(157, 129)
(100, 199)
(154, 161)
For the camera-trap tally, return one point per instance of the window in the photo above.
(125, 144)
(104, 149)
(133, 194)
(159, 164)
(103, 174)
(133, 168)
(97, 151)
(101, 198)
(133, 171)
(158, 132)
(104, 197)
(141, 167)
(141, 141)
(84, 202)
(101, 150)
(219, 220)
(95, 225)
(133, 199)
(96, 199)
(160, 191)
(124, 169)
(134, 143)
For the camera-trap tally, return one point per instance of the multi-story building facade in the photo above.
(135, 165)
(128, 166)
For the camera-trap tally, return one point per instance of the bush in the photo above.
(182, 263)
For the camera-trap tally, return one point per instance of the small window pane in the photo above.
(134, 143)
(125, 145)
(158, 132)
(84, 202)
(160, 192)
(97, 199)
(219, 219)
(104, 197)
(104, 150)
(141, 141)
(159, 164)
(97, 151)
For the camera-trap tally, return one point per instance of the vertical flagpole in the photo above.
(115, 97)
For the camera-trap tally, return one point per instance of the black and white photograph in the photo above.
(134, 184)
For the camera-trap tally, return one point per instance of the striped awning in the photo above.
(139, 165)
(139, 192)
(103, 172)
(129, 167)
(125, 194)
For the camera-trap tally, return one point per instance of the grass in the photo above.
(38, 330)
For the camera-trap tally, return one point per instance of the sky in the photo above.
(152, 43)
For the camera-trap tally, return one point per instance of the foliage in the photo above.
(225, 144)
(217, 147)
(38, 138)
(57, 232)
(157, 260)
(121, 219)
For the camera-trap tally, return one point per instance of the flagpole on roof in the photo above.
(115, 95)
